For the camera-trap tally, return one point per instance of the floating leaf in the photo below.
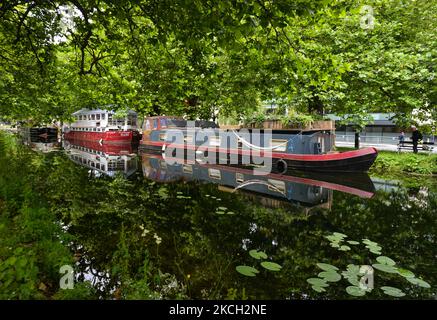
(220, 212)
(385, 268)
(327, 267)
(257, 254)
(355, 291)
(339, 235)
(419, 282)
(222, 208)
(385, 260)
(317, 282)
(247, 271)
(330, 276)
(344, 248)
(394, 292)
(406, 273)
(318, 289)
(271, 266)
(370, 243)
(231, 212)
(354, 243)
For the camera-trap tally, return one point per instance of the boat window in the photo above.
(276, 185)
(103, 167)
(155, 124)
(147, 124)
(98, 116)
(163, 123)
(162, 136)
(187, 169)
(214, 174)
(214, 141)
(103, 116)
(239, 177)
(278, 144)
(93, 117)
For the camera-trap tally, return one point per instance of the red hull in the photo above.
(104, 137)
(109, 149)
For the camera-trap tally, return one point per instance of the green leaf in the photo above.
(327, 267)
(355, 291)
(257, 254)
(353, 242)
(330, 276)
(318, 289)
(385, 268)
(405, 273)
(385, 260)
(271, 266)
(318, 282)
(247, 271)
(344, 248)
(419, 282)
(394, 292)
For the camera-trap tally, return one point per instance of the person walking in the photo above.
(402, 139)
(415, 137)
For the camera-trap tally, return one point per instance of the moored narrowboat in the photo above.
(310, 150)
(103, 126)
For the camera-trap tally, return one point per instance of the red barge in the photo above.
(102, 126)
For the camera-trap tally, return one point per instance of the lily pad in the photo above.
(406, 273)
(394, 292)
(385, 268)
(247, 271)
(385, 260)
(369, 242)
(339, 235)
(257, 254)
(317, 282)
(271, 266)
(330, 276)
(419, 282)
(355, 291)
(327, 267)
(354, 243)
(318, 289)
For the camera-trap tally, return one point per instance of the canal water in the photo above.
(189, 230)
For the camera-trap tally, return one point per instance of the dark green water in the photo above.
(133, 237)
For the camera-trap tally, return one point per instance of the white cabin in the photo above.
(100, 120)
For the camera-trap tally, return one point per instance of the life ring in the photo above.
(281, 166)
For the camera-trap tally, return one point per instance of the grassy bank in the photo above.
(389, 162)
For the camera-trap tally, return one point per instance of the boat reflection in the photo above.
(103, 159)
(304, 189)
(40, 139)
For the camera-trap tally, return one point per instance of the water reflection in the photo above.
(101, 158)
(302, 188)
(40, 139)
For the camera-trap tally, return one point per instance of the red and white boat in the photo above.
(102, 126)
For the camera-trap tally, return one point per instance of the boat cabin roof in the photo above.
(96, 111)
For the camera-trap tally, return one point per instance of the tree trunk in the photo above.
(357, 139)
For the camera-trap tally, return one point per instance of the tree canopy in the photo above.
(200, 58)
